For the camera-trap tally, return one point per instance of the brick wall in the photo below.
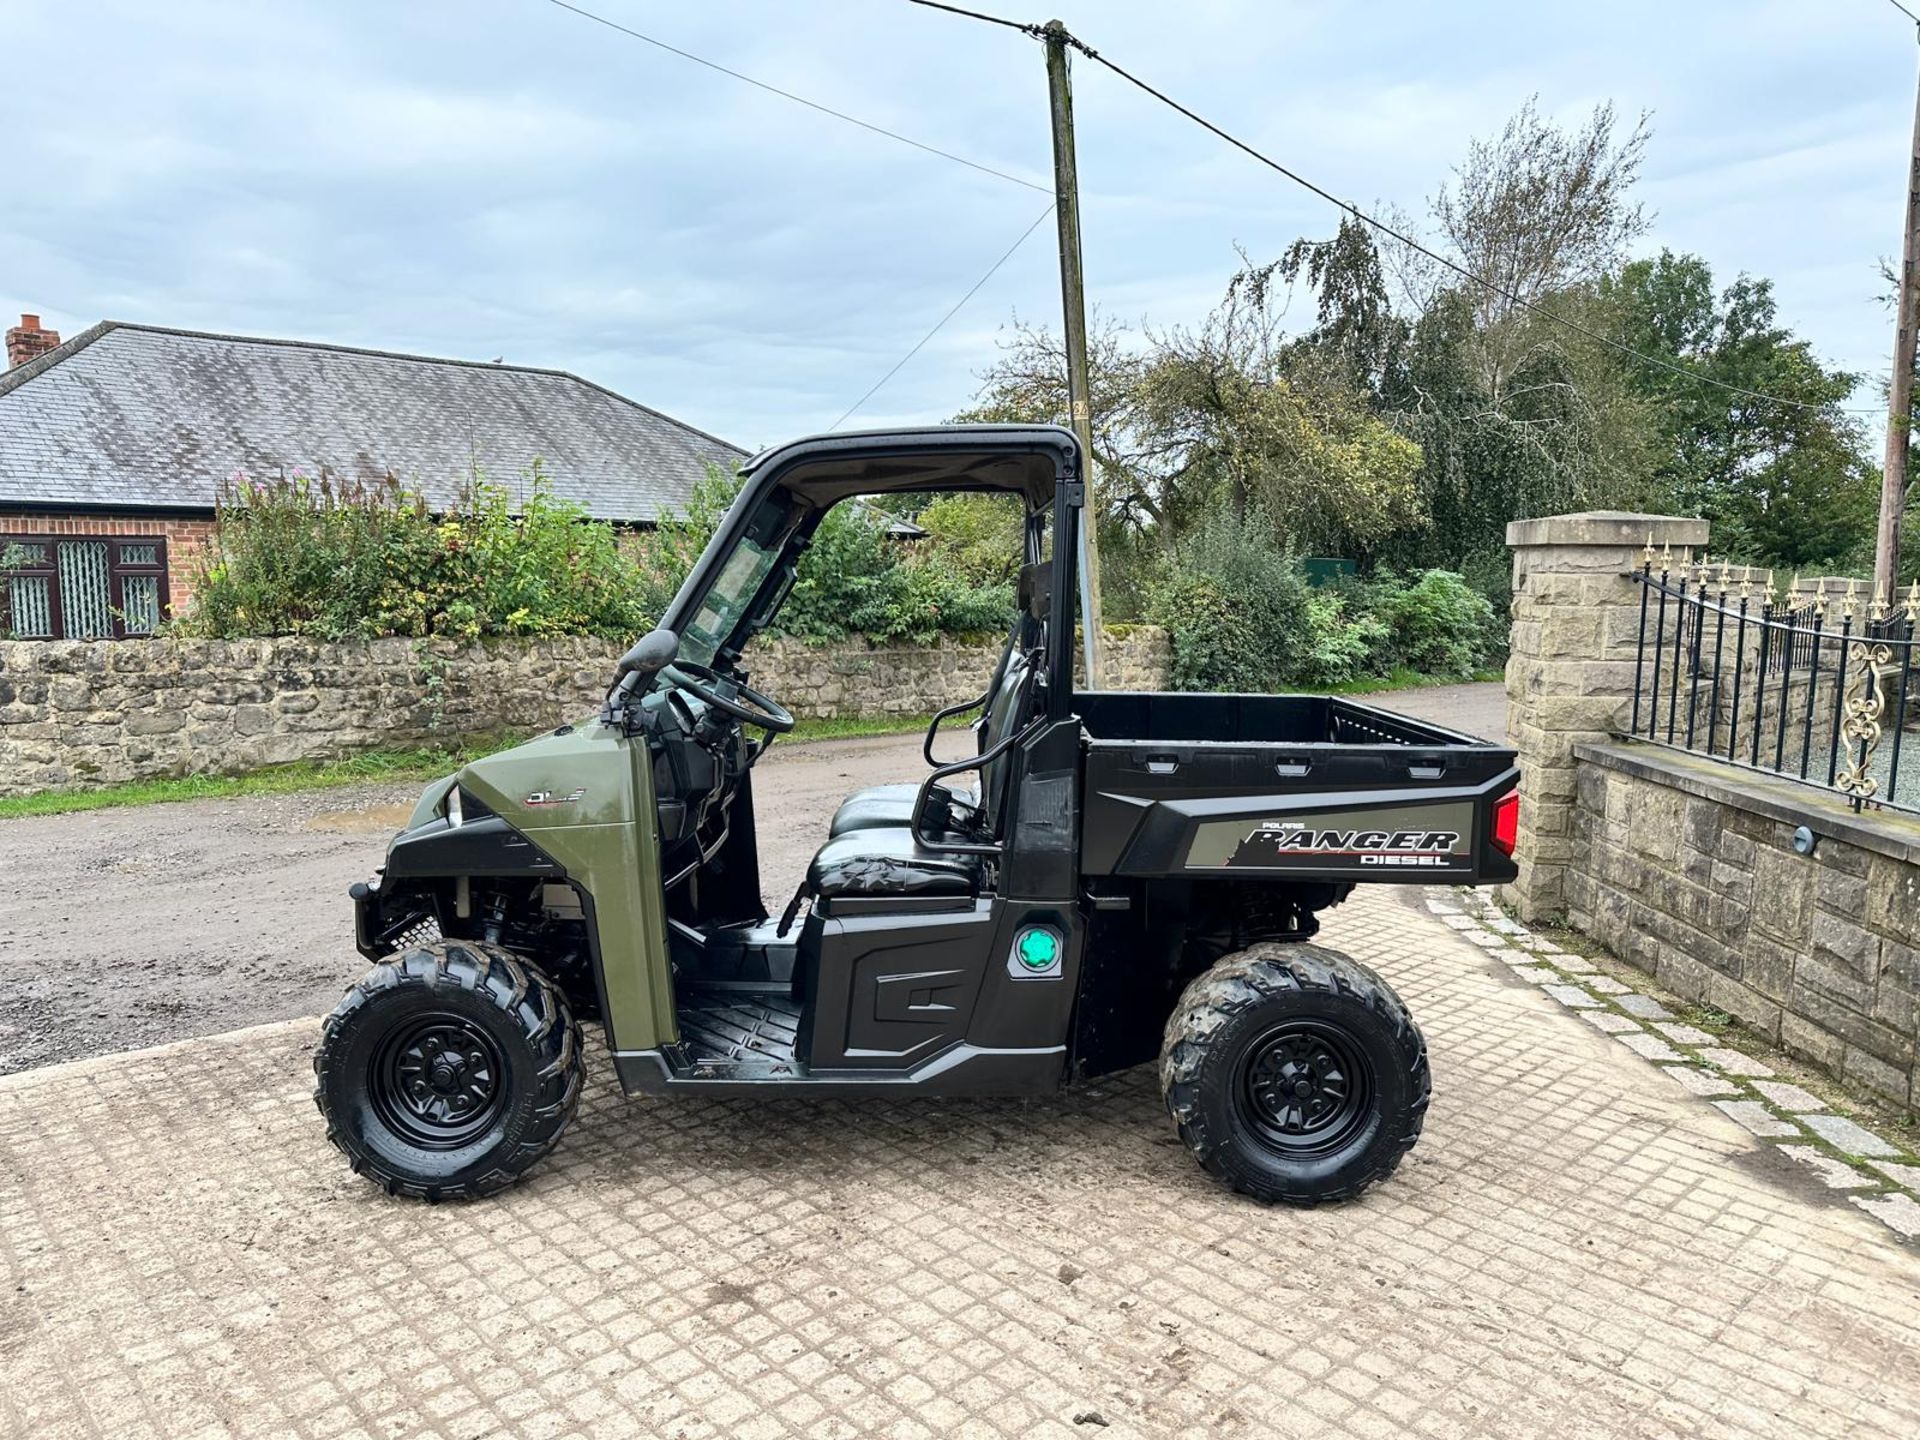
(186, 538)
(89, 713)
(1687, 868)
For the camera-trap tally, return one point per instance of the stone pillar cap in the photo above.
(1608, 527)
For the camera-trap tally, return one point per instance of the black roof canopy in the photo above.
(824, 469)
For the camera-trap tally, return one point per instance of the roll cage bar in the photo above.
(1040, 463)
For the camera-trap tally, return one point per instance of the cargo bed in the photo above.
(1304, 786)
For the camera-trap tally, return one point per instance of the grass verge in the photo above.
(424, 763)
(1411, 680)
(858, 726)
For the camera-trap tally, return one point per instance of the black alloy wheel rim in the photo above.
(437, 1081)
(1305, 1088)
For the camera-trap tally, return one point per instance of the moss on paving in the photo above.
(1892, 1122)
(854, 727)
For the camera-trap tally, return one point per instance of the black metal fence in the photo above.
(1812, 687)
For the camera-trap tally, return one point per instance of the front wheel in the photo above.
(448, 1071)
(1295, 1073)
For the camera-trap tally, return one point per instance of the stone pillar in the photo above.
(1576, 625)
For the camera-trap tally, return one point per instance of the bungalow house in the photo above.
(114, 446)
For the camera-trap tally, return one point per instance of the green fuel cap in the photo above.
(1038, 949)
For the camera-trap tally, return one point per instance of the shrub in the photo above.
(978, 536)
(1235, 607)
(1203, 629)
(1438, 623)
(299, 557)
(664, 555)
(1342, 647)
(855, 580)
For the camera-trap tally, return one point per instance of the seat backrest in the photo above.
(1010, 704)
(1006, 712)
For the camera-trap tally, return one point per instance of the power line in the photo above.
(1895, 3)
(799, 99)
(1380, 225)
(972, 290)
(1455, 266)
(1033, 30)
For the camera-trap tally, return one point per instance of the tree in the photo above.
(1357, 329)
(1027, 384)
(1222, 414)
(1514, 413)
(1783, 479)
(1541, 212)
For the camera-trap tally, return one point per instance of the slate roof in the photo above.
(136, 416)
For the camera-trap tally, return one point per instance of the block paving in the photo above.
(1577, 1247)
(1771, 1109)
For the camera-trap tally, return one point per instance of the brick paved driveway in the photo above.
(1575, 1249)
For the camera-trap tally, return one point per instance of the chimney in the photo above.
(27, 341)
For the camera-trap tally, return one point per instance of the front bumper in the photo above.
(367, 919)
(381, 927)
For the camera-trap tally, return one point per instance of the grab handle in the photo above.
(972, 762)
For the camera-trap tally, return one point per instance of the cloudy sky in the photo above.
(507, 178)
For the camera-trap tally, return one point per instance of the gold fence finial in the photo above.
(1746, 582)
(1852, 601)
(1913, 601)
(1647, 554)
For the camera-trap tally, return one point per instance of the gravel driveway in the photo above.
(125, 928)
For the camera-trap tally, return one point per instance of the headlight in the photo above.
(462, 805)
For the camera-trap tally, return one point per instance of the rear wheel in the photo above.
(1295, 1073)
(448, 1071)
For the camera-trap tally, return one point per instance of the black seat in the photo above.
(1006, 703)
(871, 857)
(885, 863)
(880, 806)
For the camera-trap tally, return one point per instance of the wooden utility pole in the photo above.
(1066, 196)
(1893, 483)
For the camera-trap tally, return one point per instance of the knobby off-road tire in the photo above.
(448, 1071)
(1295, 1073)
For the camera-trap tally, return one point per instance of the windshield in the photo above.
(726, 601)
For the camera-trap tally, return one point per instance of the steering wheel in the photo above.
(706, 683)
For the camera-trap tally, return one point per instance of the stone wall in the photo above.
(1687, 868)
(87, 713)
(1570, 669)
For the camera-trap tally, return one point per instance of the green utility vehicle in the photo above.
(1111, 878)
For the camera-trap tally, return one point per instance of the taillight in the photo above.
(1506, 821)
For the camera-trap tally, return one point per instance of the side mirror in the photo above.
(650, 654)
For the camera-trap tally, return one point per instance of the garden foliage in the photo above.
(1241, 616)
(306, 557)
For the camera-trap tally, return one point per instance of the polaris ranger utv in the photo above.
(1127, 876)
